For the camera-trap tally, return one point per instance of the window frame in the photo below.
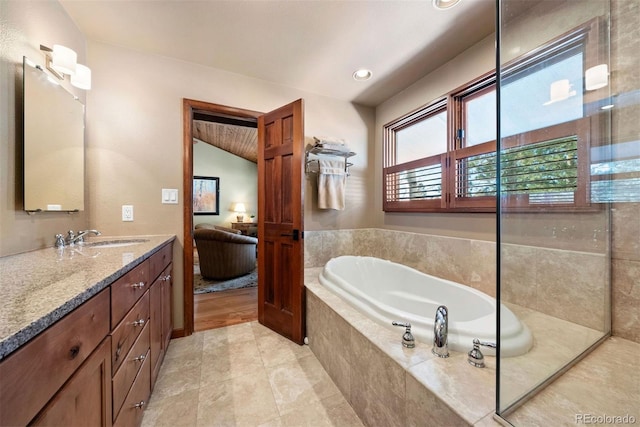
(390, 153)
(451, 198)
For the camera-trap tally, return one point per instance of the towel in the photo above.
(330, 143)
(332, 181)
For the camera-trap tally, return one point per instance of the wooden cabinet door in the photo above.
(167, 318)
(86, 399)
(280, 220)
(155, 326)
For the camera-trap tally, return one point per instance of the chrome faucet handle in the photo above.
(59, 241)
(71, 237)
(407, 338)
(475, 356)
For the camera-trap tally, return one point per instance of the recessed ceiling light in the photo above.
(445, 4)
(362, 74)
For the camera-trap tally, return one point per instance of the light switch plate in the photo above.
(169, 196)
(127, 212)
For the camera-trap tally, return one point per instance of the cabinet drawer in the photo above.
(85, 400)
(123, 379)
(127, 290)
(125, 334)
(137, 399)
(33, 374)
(160, 260)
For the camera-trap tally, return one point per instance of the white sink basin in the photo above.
(115, 243)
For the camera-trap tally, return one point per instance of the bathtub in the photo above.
(386, 291)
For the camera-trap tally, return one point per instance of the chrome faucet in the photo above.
(80, 237)
(72, 238)
(441, 332)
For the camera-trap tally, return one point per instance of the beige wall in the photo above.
(470, 64)
(135, 134)
(24, 26)
(238, 182)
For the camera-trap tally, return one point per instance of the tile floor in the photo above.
(244, 375)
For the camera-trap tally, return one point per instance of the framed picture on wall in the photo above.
(206, 195)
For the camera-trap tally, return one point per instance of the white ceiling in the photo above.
(313, 45)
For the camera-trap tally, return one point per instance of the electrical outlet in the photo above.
(127, 212)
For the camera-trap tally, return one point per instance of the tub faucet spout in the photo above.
(440, 332)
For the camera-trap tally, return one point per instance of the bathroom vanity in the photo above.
(83, 336)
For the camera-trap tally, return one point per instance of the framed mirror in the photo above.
(53, 144)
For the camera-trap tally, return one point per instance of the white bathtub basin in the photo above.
(387, 291)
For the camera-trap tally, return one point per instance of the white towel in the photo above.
(332, 181)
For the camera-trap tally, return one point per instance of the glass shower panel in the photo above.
(554, 245)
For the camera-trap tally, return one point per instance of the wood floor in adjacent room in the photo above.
(219, 309)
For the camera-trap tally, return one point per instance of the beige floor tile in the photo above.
(227, 361)
(175, 411)
(187, 360)
(233, 376)
(236, 334)
(299, 383)
(180, 347)
(275, 349)
(241, 401)
(334, 411)
(176, 382)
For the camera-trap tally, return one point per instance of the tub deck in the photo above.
(387, 384)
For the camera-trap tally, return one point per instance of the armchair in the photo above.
(224, 255)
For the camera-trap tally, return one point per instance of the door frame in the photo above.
(189, 106)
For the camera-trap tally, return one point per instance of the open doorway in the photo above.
(230, 131)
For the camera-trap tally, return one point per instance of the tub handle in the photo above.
(475, 356)
(407, 338)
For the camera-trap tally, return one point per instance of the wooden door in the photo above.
(280, 221)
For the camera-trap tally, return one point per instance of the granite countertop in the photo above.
(40, 287)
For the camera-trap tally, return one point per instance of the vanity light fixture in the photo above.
(362, 74)
(445, 4)
(82, 78)
(61, 61)
(596, 77)
(559, 91)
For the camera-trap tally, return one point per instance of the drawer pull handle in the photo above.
(140, 358)
(75, 350)
(166, 278)
(139, 322)
(139, 405)
(138, 285)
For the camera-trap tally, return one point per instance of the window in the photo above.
(415, 152)
(443, 157)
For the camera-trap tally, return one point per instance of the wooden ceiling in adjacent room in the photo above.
(239, 140)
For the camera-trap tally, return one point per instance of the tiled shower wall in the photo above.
(563, 284)
(625, 217)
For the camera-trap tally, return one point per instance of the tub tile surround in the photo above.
(333, 327)
(384, 381)
(388, 384)
(529, 274)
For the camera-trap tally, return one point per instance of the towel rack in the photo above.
(321, 151)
